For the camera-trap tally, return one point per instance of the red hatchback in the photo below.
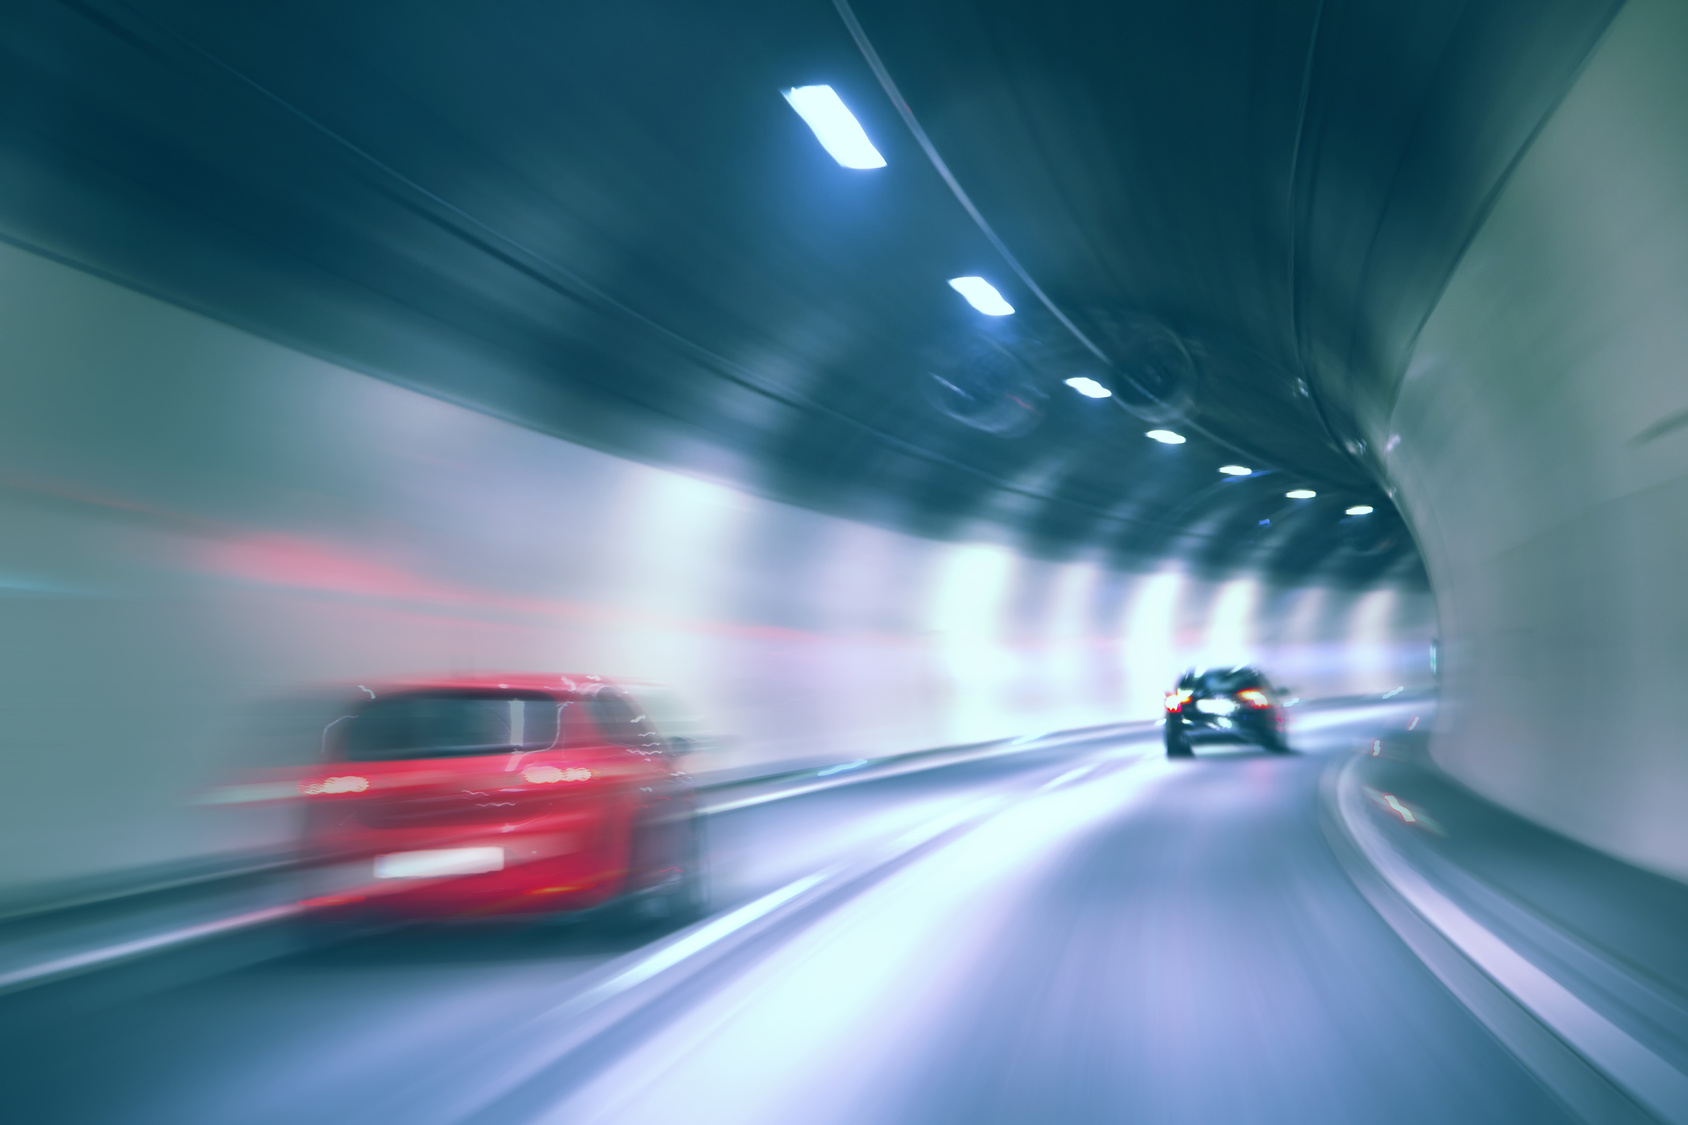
(516, 794)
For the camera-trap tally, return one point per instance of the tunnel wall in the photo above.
(206, 530)
(1539, 442)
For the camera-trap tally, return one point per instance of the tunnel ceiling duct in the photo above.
(578, 217)
(981, 383)
(1153, 374)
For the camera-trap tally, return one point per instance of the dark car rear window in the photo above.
(1224, 679)
(446, 724)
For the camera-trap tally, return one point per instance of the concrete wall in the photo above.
(1540, 445)
(200, 526)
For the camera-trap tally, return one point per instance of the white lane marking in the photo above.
(826, 1021)
(1071, 775)
(857, 776)
(120, 951)
(1308, 721)
(93, 958)
(1648, 1078)
(830, 770)
(552, 1034)
(702, 938)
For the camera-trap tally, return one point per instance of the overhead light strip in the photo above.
(889, 85)
(982, 295)
(874, 62)
(834, 126)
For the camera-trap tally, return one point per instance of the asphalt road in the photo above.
(1124, 939)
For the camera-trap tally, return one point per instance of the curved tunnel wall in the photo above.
(204, 525)
(1540, 445)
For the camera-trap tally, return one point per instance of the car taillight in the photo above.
(1175, 700)
(1254, 697)
(550, 775)
(346, 783)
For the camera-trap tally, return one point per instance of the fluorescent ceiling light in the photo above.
(1360, 510)
(1167, 436)
(982, 295)
(1088, 387)
(1301, 494)
(1236, 470)
(835, 126)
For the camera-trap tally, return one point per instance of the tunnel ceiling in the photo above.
(604, 221)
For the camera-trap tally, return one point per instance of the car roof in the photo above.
(554, 683)
(1223, 672)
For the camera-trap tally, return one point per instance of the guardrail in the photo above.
(105, 926)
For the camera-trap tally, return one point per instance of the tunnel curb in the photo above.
(1596, 1069)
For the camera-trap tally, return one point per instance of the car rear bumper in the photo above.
(1237, 727)
(544, 867)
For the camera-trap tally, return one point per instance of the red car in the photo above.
(496, 795)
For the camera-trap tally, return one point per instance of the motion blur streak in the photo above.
(803, 1035)
(1162, 943)
(353, 349)
(309, 525)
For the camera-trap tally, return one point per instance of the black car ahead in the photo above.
(1233, 704)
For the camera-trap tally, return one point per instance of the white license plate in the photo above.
(438, 862)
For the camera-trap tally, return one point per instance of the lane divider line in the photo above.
(514, 1079)
(700, 937)
(1071, 775)
(45, 971)
(859, 773)
(483, 1086)
(1627, 1062)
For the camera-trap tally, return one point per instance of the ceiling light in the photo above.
(1088, 387)
(1236, 470)
(1360, 510)
(835, 126)
(982, 295)
(1301, 494)
(1167, 436)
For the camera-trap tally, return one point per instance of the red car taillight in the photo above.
(344, 783)
(1175, 700)
(1254, 697)
(551, 775)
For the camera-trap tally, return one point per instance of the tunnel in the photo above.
(912, 411)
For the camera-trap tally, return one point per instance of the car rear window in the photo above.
(1224, 679)
(1232, 679)
(447, 724)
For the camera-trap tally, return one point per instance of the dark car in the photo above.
(1237, 704)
